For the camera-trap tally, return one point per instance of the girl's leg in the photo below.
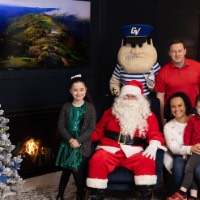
(197, 177)
(192, 162)
(79, 175)
(197, 174)
(189, 176)
(63, 182)
(78, 178)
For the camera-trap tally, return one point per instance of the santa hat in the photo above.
(133, 87)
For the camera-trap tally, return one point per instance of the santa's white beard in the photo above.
(132, 114)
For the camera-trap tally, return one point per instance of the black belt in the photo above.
(124, 139)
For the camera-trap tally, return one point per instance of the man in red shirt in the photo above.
(179, 75)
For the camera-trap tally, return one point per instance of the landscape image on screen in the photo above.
(44, 33)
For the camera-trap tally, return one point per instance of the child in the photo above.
(76, 123)
(191, 137)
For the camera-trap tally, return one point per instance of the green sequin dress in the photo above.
(69, 157)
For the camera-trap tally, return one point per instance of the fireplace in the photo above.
(34, 135)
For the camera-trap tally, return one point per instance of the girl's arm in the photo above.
(62, 121)
(88, 124)
(188, 136)
(188, 132)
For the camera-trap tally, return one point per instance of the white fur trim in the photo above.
(168, 161)
(145, 180)
(108, 148)
(97, 183)
(130, 150)
(130, 89)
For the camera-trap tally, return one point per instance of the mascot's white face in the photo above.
(137, 59)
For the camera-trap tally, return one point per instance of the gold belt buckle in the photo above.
(120, 138)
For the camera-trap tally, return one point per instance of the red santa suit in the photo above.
(110, 153)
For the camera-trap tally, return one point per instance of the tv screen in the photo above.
(44, 33)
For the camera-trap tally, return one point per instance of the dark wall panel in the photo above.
(115, 14)
(170, 19)
(30, 89)
(173, 22)
(26, 89)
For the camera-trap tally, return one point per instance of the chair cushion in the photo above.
(121, 174)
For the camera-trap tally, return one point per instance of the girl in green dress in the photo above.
(76, 123)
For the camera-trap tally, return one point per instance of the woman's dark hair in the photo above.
(76, 80)
(182, 95)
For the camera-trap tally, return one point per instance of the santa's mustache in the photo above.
(132, 114)
(127, 103)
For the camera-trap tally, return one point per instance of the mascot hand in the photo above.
(150, 151)
(114, 86)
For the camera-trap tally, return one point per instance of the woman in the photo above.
(178, 109)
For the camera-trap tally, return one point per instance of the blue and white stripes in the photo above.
(124, 77)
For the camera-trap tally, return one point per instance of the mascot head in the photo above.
(137, 53)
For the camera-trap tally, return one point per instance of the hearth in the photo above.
(34, 135)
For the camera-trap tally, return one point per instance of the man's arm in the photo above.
(161, 97)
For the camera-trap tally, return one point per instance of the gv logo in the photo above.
(135, 31)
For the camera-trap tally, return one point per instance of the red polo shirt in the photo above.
(171, 79)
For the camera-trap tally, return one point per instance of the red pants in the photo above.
(102, 163)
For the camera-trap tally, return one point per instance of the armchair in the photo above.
(122, 179)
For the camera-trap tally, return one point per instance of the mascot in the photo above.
(137, 59)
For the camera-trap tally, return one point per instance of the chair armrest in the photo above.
(93, 147)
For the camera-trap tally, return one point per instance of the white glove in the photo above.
(150, 151)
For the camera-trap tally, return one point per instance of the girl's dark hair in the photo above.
(197, 99)
(182, 95)
(76, 80)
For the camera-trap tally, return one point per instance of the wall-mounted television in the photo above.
(44, 33)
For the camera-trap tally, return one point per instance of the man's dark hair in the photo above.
(176, 41)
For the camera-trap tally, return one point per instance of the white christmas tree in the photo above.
(9, 165)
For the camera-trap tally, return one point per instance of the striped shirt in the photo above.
(124, 77)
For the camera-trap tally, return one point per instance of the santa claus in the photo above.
(122, 132)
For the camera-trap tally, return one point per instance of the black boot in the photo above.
(97, 194)
(144, 192)
(63, 183)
